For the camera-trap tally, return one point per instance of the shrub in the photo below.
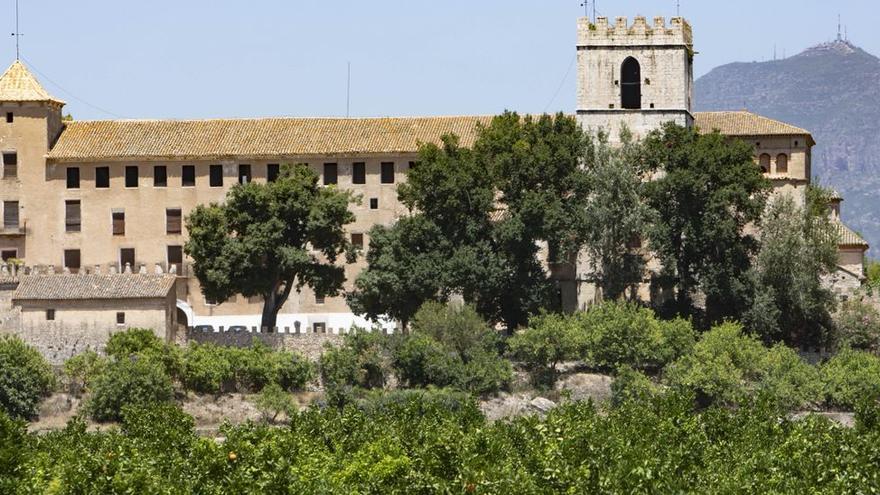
(82, 370)
(858, 326)
(292, 370)
(130, 381)
(25, 378)
(207, 369)
(144, 343)
(274, 400)
(850, 377)
(677, 338)
(361, 361)
(177, 429)
(631, 385)
(549, 340)
(789, 381)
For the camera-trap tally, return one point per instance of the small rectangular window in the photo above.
(357, 240)
(102, 177)
(244, 174)
(175, 258)
(72, 218)
(120, 318)
(73, 177)
(188, 176)
(272, 171)
(374, 203)
(72, 260)
(10, 215)
(10, 165)
(319, 299)
(8, 254)
(216, 175)
(387, 172)
(118, 222)
(126, 259)
(331, 175)
(50, 315)
(359, 173)
(173, 223)
(319, 327)
(9, 117)
(160, 176)
(131, 176)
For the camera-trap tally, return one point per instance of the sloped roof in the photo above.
(742, 123)
(18, 84)
(848, 237)
(269, 137)
(78, 287)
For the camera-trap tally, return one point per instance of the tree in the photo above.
(25, 378)
(269, 239)
(798, 247)
(549, 340)
(709, 191)
(614, 215)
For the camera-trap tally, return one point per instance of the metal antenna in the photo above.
(678, 8)
(838, 28)
(17, 34)
(348, 93)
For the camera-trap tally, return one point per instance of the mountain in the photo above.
(833, 90)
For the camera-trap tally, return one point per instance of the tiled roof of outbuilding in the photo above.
(742, 123)
(78, 287)
(18, 84)
(848, 237)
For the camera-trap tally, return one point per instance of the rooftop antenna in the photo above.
(348, 93)
(678, 8)
(839, 38)
(16, 34)
(586, 5)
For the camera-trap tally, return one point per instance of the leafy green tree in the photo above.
(858, 326)
(615, 214)
(274, 400)
(631, 385)
(798, 247)
(25, 378)
(872, 272)
(82, 370)
(129, 381)
(708, 190)
(268, 239)
(549, 340)
(851, 377)
(361, 361)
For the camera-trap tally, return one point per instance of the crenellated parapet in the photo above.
(678, 32)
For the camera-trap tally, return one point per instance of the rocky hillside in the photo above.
(832, 89)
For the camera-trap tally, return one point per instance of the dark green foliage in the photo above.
(208, 368)
(13, 450)
(549, 340)
(851, 377)
(360, 362)
(710, 191)
(129, 381)
(450, 347)
(857, 325)
(25, 378)
(270, 239)
(274, 400)
(145, 344)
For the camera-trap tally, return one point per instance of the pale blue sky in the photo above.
(220, 58)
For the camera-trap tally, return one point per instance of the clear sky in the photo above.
(220, 58)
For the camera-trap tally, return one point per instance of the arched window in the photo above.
(631, 84)
(782, 164)
(765, 163)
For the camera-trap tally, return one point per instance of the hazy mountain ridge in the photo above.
(832, 90)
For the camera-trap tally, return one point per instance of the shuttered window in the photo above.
(244, 174)
(72, 218)
(131, 176)
(188, 176)
(72, 260)
(216, 176)
(175, 258)
(119, 222)
(10, 165)
(357, 240)
(102, 177)
(73, 177)
(173, 221)
(10, 215)
(126, 257)
(272, 171)
(160, 176)
(331, 175)
(387, 172)
(359, 173)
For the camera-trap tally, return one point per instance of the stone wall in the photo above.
(58, 342)
(310, 345)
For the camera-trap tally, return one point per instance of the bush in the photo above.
(361, 361)
(850, 377)
(789, 381)
(82, 370)
(274, 400)
(631, 386)
(207, 369)
(177, 429)
(144, 343)
(25, 378)
(130, 381)
(292, 370)
(549, 340)
(858, 326)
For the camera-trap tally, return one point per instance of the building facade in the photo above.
(112, 196)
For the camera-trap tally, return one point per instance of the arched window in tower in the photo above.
(782, 164)
(631, 84)
(765, 163)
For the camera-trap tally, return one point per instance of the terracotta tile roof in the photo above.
(68, 287)
(18, 84)
(254, 138)
(848, 237)
(742, 123)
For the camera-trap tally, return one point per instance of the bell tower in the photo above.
(638, 76)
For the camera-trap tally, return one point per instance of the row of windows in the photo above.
(781, 163)
(215, 174)
(174, 255)
(73, 218)
(120, 316)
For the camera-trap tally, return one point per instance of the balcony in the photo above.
(12, 231)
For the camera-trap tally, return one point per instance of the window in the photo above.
(102, 177)
(160, 176)
(10, 215)
(631, 84)
(374, 203)
(358, 173)
(131, 176)
(50, 315)
(9, 117)
(764, 161)
(272, 171)
(118, 222)
(173, 221)
(72, 218)
(72, 260)
(215, 174)
(10, 165)
(188, 176)
(319, 299)
(244, 174)
(357, 240)
(387, 172)
(126, 259)
(782, 164)
(175, 258)
(8, 254)
(319, 327)
(120, 318)
(331, 175)
(73, 177)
